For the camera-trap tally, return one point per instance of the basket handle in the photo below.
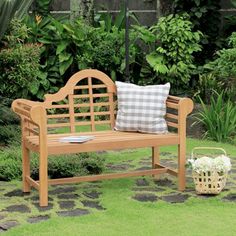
(207, 148)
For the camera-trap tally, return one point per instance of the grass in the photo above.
(126, 216)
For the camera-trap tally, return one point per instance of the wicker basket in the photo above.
(210, 182)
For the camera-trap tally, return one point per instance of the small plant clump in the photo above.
(218, 118)
(58, 167)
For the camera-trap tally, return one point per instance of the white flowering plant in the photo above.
(220, 164)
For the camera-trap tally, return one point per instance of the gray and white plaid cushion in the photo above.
(142, 108)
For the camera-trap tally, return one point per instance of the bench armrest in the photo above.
(178, 110)
(184, 104)
(32, 114)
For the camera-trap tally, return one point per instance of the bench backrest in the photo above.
(88, 99)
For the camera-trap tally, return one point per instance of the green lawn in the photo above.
(126, 216)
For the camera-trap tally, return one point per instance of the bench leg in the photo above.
(155, 159)
(25, 168)
(181, 166)
(43, 180)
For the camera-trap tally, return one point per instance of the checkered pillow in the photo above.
(142, 108)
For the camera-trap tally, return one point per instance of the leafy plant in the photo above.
(18, 70)
(207, 85)
(7, 115)
(205, 17)
(225, 65)
(173, 59)
(42, 7)
(16, 34)
(72, 46)
(58, 167)
(218, 118)
(10, 134)
(11, 8)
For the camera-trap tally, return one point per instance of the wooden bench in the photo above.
(89, 99)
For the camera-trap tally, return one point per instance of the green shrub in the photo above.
(10, 163)
(173, 59)
(224, 66)
(9, 123)
(72, 46)
(58, 166)
(207, 85)
(18, 71)
(10, 134)
(206, 17)
(218, 118)
(7, 115)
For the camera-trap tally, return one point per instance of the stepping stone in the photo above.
(129, 161)
(16, 193)
(67, 204)
(176, 198)
(18, 208)
(60, 190)
(144, 168)
(119, 166)
(145, 197)
(145, 162)
(230, 197)
(92, 194)
(142, 182)
(225, 190)
(166, 154)
(163, 182)
(36, 219)
(206, 195)
(189, 180)
(148, 189)
(90, 185)
(190, 190)
(36, 198)
(46, 208)
(76, 212)
(230, 184)
(68, 196)
(8, 225)
(146, 159)
(92, 204)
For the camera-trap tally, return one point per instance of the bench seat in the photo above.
(104, 140)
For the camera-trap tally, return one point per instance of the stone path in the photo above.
(82, 199)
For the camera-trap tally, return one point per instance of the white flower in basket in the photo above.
(210, 174)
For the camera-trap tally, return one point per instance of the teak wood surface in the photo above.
(89, 99)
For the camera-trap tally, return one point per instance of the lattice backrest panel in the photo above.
(88, 99)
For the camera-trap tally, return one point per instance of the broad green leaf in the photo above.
(61, 47)
(64, 56)
(34, 86)
(65, 65)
